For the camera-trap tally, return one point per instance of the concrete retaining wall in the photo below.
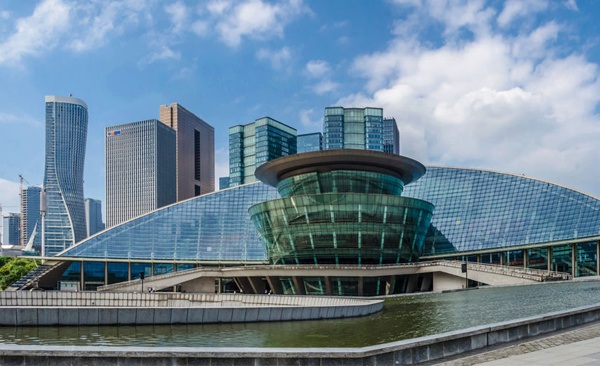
(119, 299)
(60, 308)
(406, 352)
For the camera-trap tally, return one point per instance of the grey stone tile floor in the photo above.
(578, 347)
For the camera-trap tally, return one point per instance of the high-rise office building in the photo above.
(11, 229)
(140, 169)
(391, 136)
(310, 142)
(195, 151)
(66, 136)
(223, 183)
(256, 143)
(353, 128)
(93, 216)
(30, 211)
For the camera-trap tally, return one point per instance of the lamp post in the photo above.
(142, 275)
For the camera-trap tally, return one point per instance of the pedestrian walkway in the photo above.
(579, 347)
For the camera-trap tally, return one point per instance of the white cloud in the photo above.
(500, 101)
(163, 53)
(254, 19)
(307, 121)
(21, 118)
(571, 4)
(36, 33)
(515, 9)
(277, 58)
(97, 21)
(325, 86)
(4, 14)
(178, 13)
(317, 68)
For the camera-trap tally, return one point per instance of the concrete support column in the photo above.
(328, 286)
(258, 284)
(525, 258)
(597, 258)
(244, 285)
(389, 286)
(426, 282)
(105, 273)
(361, 286)
(573, 259)
(549, 259)
(298, 285)
(128, 271)
(412, 283)
(275, 284)
(82, 279)
(220, 285)
(152, 269)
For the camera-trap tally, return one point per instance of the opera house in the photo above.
(341, 222)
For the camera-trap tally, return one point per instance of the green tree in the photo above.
(13, 270)
(4, 260)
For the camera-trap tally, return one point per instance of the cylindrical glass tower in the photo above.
(342, 207)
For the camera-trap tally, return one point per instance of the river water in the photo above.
(402, 318)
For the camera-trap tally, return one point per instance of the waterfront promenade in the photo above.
(578, 347)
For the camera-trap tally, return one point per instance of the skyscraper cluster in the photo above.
(343, 128)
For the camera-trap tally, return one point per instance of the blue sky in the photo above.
(502, 85)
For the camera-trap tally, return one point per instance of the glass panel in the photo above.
(117, 272)
(93, 275)
(585, 260)
(490, 258)
(561, 258)
(162, 268)
(513, 258)
(314, 286)
(72, 274)
(288, 286)
(137, 268)
(185, 266)
(537, 258)
(344, 286)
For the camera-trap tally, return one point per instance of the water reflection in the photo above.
(402, 318)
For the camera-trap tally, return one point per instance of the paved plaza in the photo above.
(579, 347)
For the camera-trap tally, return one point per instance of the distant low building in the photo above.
(310, 142)
(93, 216)
(11, 229)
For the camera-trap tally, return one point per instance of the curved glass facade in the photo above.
(478, 209)
(66, 135)
(340, 181)
(474, 210)
(343, 228)
(213, 227)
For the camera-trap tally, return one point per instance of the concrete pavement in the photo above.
(579, 347)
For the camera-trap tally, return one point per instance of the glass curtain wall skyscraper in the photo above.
(391, 136)
(66, 137)
(140, 169)
(195, 151)
(30, 211)
(353, 128)
(256, 143)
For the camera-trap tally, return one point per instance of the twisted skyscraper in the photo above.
(66, 136)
